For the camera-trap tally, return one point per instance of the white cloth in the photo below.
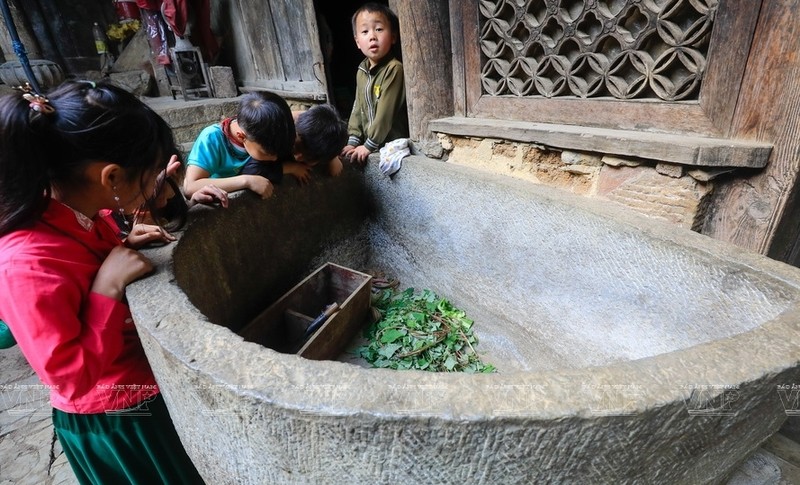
(392, 155)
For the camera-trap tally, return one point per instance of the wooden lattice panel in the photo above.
(595, 48)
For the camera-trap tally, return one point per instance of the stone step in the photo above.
(786, 449)
(777, 462)
(188, 118)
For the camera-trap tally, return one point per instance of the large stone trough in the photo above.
(628, 351)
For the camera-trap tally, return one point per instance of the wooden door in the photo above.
(277, 48)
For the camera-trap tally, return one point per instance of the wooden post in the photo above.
(427, 64)
(26, 36)
(761, 213)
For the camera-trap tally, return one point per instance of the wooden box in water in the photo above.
(282, 326)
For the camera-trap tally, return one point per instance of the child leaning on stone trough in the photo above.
(170, 202)
(64, 161)
(321, 135)
(262, 132)
(379, 112)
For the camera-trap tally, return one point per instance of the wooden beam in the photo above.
(680, 149)
(761, 212)
(427, 62)
(285, 90)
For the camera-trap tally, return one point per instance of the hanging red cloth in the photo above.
(156, 31)
(178, 13)
(149, 4)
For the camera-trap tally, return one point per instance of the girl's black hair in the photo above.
(176, 210)
(266, 118)
(91, 122)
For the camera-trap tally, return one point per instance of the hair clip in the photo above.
(38, 103)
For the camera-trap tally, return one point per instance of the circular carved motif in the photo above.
(587, 74)
(591, 48)
(677, 73)
(550, 78)
(627, 75)
(520, 76)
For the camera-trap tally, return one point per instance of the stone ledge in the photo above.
(685, 150)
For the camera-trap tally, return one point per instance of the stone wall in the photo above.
(661, 190)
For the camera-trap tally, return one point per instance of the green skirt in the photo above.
(137, 446)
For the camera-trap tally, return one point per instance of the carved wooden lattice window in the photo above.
(663, 65)
(591, 48)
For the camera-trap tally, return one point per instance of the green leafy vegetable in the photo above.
(421, 331)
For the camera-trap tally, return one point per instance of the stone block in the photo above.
(709, 174)
(429, 148)
(222, 82)
(670, 170)
(579, 158)
(446, 141)
(138, 82)
(579, 170)
(619, 161)
(135, 55)
(760, 468)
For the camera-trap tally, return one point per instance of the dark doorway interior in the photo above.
(344, 55)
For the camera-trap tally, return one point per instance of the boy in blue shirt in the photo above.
(262, 130)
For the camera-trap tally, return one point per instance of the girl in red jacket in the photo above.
(64, 162)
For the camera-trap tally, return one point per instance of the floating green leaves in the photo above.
(421, 331)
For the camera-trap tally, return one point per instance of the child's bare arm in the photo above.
(143, 234)
(197, 178)
(335, 166)
(209, 194)
(300, 171)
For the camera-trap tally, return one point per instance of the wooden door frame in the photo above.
(274, 59)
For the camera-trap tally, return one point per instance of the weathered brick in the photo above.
(678, 200)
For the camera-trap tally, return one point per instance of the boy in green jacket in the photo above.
(379, 113)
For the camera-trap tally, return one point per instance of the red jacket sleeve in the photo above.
(68, 339)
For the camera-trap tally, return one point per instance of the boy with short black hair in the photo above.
(379, 112)
(263, 131)
(321, 135)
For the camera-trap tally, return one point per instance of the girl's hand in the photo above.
(346, 151)
(143, 234)
(121, 267)
(172, 168)
(209, 194)
(260, 185)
